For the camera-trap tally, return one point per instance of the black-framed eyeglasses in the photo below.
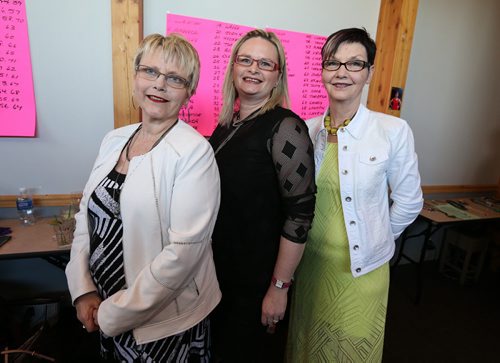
(152, 74)
(351, 66)
(262, 63)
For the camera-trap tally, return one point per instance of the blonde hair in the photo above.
(279, 95)
(174, 48)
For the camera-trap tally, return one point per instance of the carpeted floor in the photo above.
(452, 323)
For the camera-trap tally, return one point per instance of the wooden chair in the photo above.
(29, 346)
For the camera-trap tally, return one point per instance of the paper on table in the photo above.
(455, 212)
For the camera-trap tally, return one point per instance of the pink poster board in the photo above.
(17, 98)
(214, 40)
(308, 97)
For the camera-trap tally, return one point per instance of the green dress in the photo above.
(334, 316)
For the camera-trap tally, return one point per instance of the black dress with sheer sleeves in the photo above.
(266, 165)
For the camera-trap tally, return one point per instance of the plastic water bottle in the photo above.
(24, 205)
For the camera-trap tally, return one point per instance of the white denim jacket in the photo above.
(376, 155)
(169, 205)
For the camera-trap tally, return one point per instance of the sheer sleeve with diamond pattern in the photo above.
(292, 153)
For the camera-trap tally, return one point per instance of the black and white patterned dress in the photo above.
(106, 268)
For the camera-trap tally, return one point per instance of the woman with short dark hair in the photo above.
(368, 193)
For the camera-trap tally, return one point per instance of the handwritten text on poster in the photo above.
(214, 41)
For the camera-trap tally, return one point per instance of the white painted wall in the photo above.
(70, 45)
(72, 70)
(452, 97)
(321, 17)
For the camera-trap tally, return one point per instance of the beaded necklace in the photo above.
(332, 130)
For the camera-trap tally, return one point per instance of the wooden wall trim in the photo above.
(58, 200)
(41, 200)
(445, 189)
(396, 24)
(126, 20)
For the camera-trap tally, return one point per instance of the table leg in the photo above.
(404, 237)
(420, 263)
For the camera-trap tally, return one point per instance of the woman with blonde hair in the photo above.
(266, 166)
(141, 269)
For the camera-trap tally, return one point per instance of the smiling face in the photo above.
(251, 83)
(159, 101)
(343, 85)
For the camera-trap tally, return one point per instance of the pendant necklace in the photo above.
(116, 191)
(115, 209)
(129, 143)
(236, 123)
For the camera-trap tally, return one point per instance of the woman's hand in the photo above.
(275, 301)
(274, 306)
(86, 310)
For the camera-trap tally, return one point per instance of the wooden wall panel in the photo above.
(126, 19)
(395, 29)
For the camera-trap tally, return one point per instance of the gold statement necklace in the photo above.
(332, 130)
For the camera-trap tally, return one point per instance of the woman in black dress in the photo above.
(266, 165)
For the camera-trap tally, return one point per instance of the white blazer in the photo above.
(169, 204)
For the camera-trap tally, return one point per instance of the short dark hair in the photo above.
(350, 35)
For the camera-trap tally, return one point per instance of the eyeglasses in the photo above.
(351, 66)
(263, 63)
(152, 74)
